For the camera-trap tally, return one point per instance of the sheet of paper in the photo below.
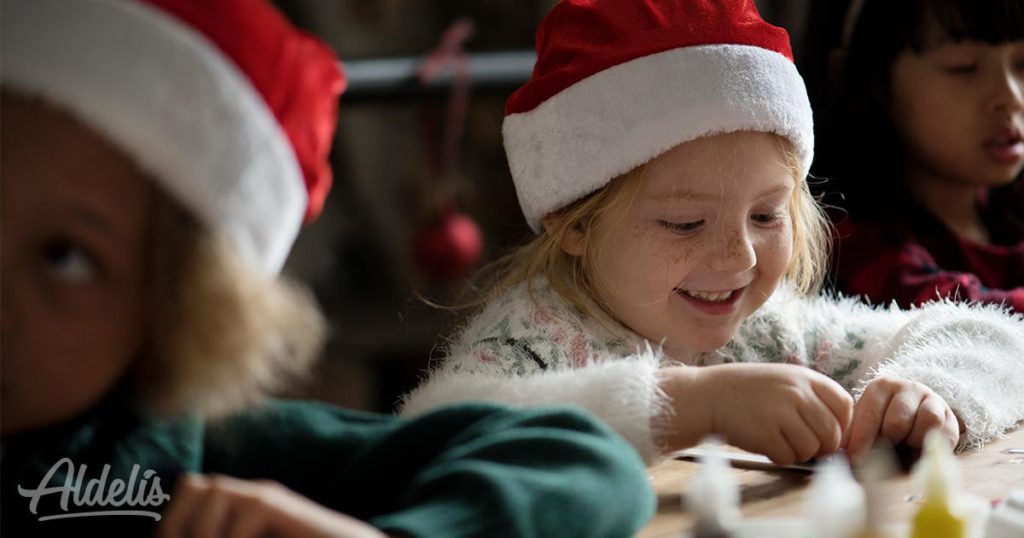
(741, 460)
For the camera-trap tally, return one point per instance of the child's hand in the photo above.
(786, 412)
(901, 412)
(220, 506)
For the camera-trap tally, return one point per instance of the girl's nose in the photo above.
(1008, 94)
(733, 253)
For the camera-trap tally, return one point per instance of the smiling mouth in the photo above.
(708, 296)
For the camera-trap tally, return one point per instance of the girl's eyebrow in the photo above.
(683, 195)
(701, 196)
(778, 189)
(96, 222)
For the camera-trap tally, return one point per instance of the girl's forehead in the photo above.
(52, 159)
(719, 165)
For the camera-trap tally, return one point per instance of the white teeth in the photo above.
(709, 297)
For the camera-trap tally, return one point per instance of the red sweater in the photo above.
(915, 258)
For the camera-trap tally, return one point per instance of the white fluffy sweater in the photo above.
(539, 350)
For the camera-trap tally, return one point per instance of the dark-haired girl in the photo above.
(923, 147)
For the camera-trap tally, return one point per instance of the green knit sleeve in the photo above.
(466, 470)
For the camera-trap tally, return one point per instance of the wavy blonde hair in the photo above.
(221, 336)
(574, 277)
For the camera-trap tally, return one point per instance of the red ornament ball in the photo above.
(449, 247)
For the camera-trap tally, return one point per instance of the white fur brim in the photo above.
(624, 393)
(170, 99)
(609, 123)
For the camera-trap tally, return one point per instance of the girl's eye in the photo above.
(765, 218)
(69, 262)
(961, 69)
(681, 226)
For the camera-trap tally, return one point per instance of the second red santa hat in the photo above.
(222, 102)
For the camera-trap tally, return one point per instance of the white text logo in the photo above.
(95, 492)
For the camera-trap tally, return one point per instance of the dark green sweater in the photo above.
(467, 470)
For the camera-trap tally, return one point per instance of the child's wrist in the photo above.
(691, 417)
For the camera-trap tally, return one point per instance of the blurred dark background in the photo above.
(394, 180)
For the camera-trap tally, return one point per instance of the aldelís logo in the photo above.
(77, 492)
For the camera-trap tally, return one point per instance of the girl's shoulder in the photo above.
(536, 322)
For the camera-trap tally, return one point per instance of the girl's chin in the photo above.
(709, 340)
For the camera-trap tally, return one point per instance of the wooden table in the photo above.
(990, 473)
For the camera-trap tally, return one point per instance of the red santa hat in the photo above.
(230, 108)
(619, 82)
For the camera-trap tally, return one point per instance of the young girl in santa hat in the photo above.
(158, 159)
(660, 151)
(934, 93)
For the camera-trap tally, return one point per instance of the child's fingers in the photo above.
(249, 523)
(952, 427)
(826, 428)
(863, 432)
(176, 519)
(931, 414)
(839, 402)
(900, 415)
(801, 437)
(779, 450)
(867, 418)
(211, 517)
(274, 510)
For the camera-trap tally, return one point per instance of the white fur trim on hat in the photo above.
(169, 98)
(609, 123)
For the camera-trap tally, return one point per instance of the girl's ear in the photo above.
(572, 239)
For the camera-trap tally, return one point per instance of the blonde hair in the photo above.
(221, 336)
(574, 277)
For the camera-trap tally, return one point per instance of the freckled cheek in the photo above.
(774, 252)
(680, 256)
(669, 260)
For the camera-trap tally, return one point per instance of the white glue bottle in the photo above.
(713, 496)
(835, 501)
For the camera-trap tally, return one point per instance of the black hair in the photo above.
(859, 151)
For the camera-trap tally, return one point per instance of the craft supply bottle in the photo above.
(835, 501)
(940, 516)
(713, 497)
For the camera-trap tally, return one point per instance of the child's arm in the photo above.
(534, 350)
(624, 393)
(217, 506)
(468, 470)
(788, 413)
